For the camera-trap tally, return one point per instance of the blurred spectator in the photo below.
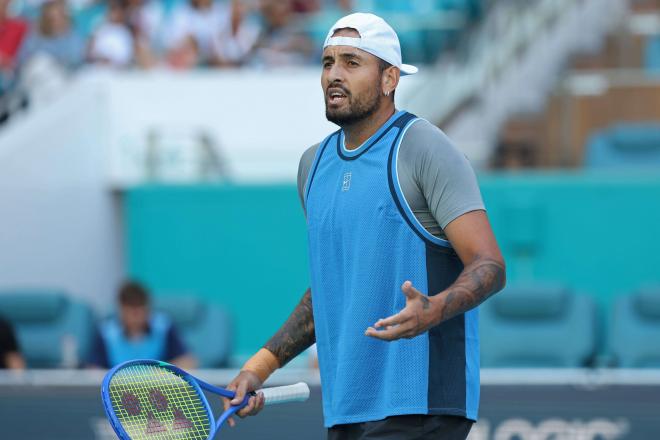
(138, 334)
(55, 37)
(283, 41)
(145, 19)
(305, 6)
(345, 6)
(202, 20)
(514, 155)
(185, 55)
(12, 34)
(112, 43)
(234, 43)
(10, 356)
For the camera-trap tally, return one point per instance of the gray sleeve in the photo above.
(436, 178)
(305, 164)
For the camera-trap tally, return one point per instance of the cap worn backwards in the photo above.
(376, 37)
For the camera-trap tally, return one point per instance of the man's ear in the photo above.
(390, 80)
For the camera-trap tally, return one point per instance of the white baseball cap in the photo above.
(376, 37)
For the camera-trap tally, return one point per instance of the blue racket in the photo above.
(149, 399)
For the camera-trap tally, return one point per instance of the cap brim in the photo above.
(408, 69)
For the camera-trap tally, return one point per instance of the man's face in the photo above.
(134, 318)
(351, 82)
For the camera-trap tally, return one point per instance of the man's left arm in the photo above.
(483, 275)
(437, 177)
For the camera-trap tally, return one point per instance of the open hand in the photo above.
(418, 316)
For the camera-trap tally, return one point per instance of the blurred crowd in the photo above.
(146, 34)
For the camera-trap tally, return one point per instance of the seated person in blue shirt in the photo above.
(10, 354)
(138, 334)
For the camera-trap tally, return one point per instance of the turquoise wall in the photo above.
(245, 246)
(241, 246)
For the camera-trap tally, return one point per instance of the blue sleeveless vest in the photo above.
(364, 242)
(121, 349)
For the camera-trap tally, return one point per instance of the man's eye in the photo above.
(326, 65)
(353, 63)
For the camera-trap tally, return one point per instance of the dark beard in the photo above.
(357, 110)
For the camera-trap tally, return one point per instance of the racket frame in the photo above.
(196, 383)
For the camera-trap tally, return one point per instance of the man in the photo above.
(138, 334)
(391, 204)
(10, 354)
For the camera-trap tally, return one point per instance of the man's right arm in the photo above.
(294, 337)
(297, 333)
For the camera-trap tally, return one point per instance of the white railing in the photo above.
(513, 61)
(580, 377)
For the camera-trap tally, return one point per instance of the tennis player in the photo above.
(401, 252)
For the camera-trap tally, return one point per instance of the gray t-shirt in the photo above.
(436, 178)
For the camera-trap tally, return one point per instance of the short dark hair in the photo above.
(132, 293)
(382, 65)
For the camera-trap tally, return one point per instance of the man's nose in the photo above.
(336, 74)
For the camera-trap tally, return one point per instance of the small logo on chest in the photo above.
(346, 183)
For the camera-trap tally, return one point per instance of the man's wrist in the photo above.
(262, 364)
(437, 308)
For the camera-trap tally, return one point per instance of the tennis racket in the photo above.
(149, 399)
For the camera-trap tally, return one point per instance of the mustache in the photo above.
(344, 90)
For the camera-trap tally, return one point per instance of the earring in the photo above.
(387, 93)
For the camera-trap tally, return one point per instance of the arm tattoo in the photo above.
(477, 282)
(297, 333)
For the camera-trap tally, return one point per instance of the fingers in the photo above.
(226, 404)
(406, 323)
(392, 320)
(245, 382)
(397, 326)
(255, 404)
(241, 390)
(390, 334)
(409, 290)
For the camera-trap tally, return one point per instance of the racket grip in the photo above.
(289, 393)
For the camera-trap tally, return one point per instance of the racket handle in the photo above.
(289, 393)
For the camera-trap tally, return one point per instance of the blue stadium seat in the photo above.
(537, 326)
(53, 330)
(471, 8)
(652, 54)
(635, 329)
(206, 328)
(625, 146)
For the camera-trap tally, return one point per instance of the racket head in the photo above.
(150, 399)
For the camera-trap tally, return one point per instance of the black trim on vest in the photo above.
(317, 161)
(396, 123)
(447, 392)
(400, 123)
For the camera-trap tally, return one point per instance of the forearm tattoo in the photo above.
(477, 282)
(297, 333)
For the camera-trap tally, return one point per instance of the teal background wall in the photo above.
(240, 246)
(245, 246)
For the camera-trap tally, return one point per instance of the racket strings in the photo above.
(155, 403)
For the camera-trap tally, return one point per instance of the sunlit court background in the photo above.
(137, 143)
